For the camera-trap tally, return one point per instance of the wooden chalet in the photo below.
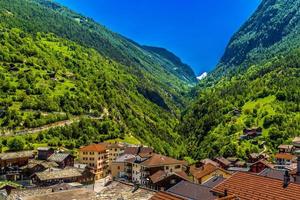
(260, 165)
(62, 159)
(52, 176)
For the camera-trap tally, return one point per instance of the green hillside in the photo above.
(266, 96)
(45, 79)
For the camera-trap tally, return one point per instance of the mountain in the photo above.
(58, 65)
(256, 84)
(273, 29)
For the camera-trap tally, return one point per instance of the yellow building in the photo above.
(114, 151)
(208, 171)
(95, 156)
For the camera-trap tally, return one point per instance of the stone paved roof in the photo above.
(58, 174)
(16, 155)
(58, 157)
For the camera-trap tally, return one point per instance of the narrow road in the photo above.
(49, 126)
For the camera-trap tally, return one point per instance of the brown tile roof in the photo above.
(161, 175)
(206, 170)
(160, 160)
(250, 186)
(229, 197)
(166, 196)
(266, 163)
(94, 147)
(157, 176)
(286, 156)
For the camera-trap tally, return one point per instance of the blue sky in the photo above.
(195, 30)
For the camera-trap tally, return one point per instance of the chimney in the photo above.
(286, 179)
(225, 193)
(297, 176)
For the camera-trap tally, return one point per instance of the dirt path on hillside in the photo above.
(53, 125)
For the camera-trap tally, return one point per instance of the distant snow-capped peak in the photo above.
(202, 76)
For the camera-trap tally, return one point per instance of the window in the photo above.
(119, 167)
(177, 166)
(167, 167)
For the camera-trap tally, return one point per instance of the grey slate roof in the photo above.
(191, 191)
(15, 155)
(58, 157)
(213, 181)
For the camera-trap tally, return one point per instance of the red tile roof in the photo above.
(250, 186)
(165, 196)
(94, 147)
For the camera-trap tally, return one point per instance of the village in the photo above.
(124, 171)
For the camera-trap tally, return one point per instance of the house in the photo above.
(188, 190)
(223, 162)
(120, 168)
(196, 167)
(251, 186)
(296, 143)
(162, 180)
(52, 176)
(260, 165)
(254, 157)
(250, 133)
(15, 159)
(284, 160)
(44, 153)
(284, 148)
(145, 166)
(62, 159)
(95, 156)
(207, 172)
(34, 166)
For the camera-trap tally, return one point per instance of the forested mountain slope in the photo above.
(273, 29)
(256, 84)
(266, 96)
(56, 65)
(46, 16)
